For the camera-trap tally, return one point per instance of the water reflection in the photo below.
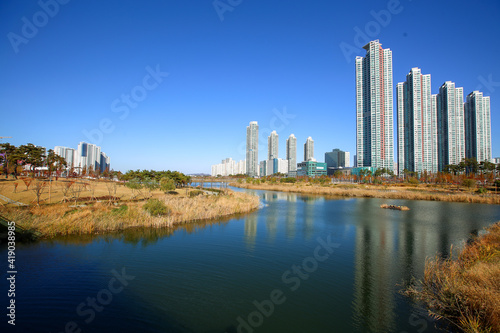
(374, 246)
(251, 230)
(309, 214)
(137, 236)
(272, 222)
(291, 217)
(391, 247)
(199, 277)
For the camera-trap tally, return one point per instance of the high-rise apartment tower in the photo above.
(374, 108)
(252, 153)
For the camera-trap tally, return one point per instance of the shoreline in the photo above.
(464, 291)
(371, 191)
(62, 219)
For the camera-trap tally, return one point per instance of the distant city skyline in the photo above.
(86, 156)
(174, 70)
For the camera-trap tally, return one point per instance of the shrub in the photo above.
(156, 207)
(134, 184)
(413, 181)
(288, 180)
(120, 210)
(482, 190)
(167, 184)
(469, 183)
(195, 193)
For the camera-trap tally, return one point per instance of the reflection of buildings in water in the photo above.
(291, 198)
(373, 280)
(275, 196)
(251, 230)
(415, 244)
(309, 210)
(310, 200)
(391, 247)
(291, 219)
(272, 220)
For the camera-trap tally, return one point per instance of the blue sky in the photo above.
(65, 77)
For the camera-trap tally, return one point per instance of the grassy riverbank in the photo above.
(124, 210)
(416, 192)
(466, 291)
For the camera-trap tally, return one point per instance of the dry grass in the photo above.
(62, 189)
(373, 191)
(466, 291)
(99, 217)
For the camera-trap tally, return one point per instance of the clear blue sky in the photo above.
(264, 57)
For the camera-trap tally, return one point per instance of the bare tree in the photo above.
(27, 182)
(136, 187)
(91, 187)
(65, 187)
(112, 186)
(76, 190)
(38, 188)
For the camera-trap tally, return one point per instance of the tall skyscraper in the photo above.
(450, 123)
(417, 128)
(477, 126)
(374, 108)
(291, 153)
(309, 150)
(272, 146)
(252, 156)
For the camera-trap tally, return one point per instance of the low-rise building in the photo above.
(311, 169)
(357, 171)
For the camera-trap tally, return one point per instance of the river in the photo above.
(298, 264)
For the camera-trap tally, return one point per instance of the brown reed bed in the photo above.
(465, 291)
(101, 217)
(372, 191)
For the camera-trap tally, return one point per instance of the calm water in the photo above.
(299, 264)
